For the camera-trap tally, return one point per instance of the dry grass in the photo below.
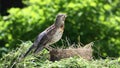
(84, 52)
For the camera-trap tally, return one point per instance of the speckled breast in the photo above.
(57, 36)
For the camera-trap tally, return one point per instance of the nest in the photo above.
(83, 52)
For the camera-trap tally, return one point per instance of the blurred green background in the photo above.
(87, 21)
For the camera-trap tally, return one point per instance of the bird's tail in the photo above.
(24, 55)
(38, 49)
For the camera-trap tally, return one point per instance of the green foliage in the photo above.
(93, 20)
(11, 60)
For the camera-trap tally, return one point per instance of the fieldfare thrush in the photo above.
(49, 36)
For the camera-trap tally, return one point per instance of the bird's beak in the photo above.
(65, 16)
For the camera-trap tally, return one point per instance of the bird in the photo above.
(49, 36)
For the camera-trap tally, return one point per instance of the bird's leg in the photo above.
(49, 48)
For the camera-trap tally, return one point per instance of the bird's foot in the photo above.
(49, 48)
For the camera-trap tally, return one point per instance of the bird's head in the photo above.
(60, 18)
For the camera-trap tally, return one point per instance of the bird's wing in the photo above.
(43, 39)
(44, 36)
(39, 38)
(40, 42)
